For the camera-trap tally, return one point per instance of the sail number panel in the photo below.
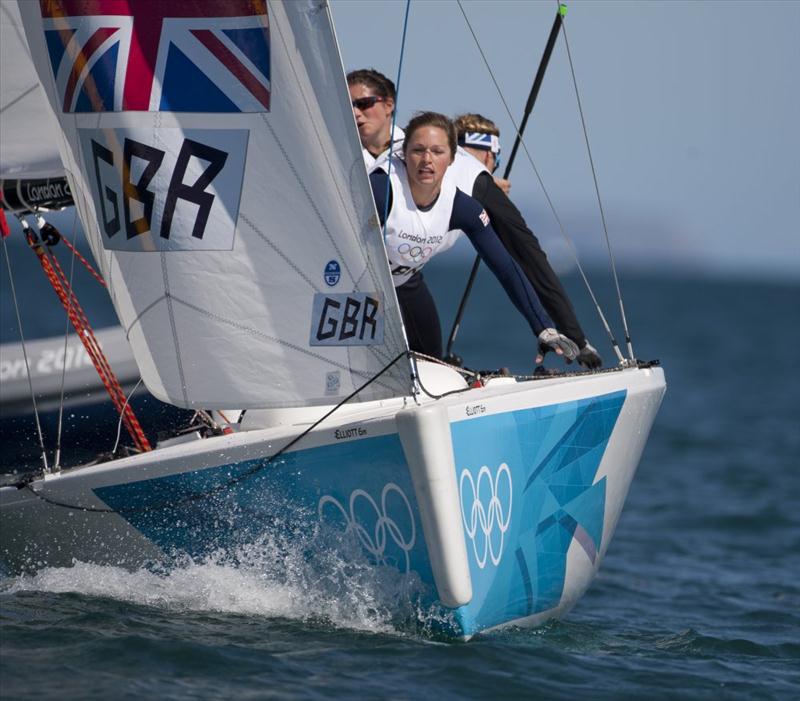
(347, 319)
(169, 190)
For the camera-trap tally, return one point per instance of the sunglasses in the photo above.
(365, 103)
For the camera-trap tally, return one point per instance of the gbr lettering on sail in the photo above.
(165, 189)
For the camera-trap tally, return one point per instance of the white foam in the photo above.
(264, 579)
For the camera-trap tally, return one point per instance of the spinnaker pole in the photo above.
(537, 84)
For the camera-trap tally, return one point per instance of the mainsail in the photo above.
(213, 158)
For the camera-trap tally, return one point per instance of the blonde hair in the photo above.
(475, 122)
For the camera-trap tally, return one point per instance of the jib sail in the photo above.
(214, 161)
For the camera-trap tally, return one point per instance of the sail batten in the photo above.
(235, 224)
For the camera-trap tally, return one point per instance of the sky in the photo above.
(692, 112)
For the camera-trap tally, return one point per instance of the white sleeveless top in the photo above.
(465, 171)
(413, 237)
(375, 162)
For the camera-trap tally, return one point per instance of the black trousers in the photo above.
(420, 316)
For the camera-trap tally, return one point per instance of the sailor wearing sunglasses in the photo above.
(372, 96)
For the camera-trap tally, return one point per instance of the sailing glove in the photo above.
(589, 357)
(551, 340)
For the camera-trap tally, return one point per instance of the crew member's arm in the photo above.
(379, 180)
(526, 251)
(470, 217)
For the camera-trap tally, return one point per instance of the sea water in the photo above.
(698, 596)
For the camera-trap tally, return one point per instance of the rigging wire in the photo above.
(561, 227)
(394, 114)
(599, 200)
(121, 414)
(414, 372)
(57, 456)
(529, 105)
(25, 351)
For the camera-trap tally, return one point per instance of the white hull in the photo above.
(502, 499)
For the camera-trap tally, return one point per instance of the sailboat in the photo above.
(217, 170)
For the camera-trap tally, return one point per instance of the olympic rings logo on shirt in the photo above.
(415, 253)
(489, 518)
(375, 541)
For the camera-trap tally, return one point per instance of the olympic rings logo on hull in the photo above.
(386, 527)
(486, 518)
(414, 253)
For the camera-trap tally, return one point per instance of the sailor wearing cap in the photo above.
(480, 138)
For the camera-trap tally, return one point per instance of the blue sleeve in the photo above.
(469, 216)
(379, 180)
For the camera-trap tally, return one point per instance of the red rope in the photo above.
(4, 230)
(77, 316)
(83, 260)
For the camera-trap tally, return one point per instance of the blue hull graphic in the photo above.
(528, 490)
(521, 519)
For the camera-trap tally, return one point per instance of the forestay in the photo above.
(216, 167)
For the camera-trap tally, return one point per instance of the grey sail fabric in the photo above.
(217, 170)
(29, 132)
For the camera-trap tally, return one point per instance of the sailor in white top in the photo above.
(372, 95)
(372, 162)
(426, 214)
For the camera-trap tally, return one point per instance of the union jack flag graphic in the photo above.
(150, 55)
